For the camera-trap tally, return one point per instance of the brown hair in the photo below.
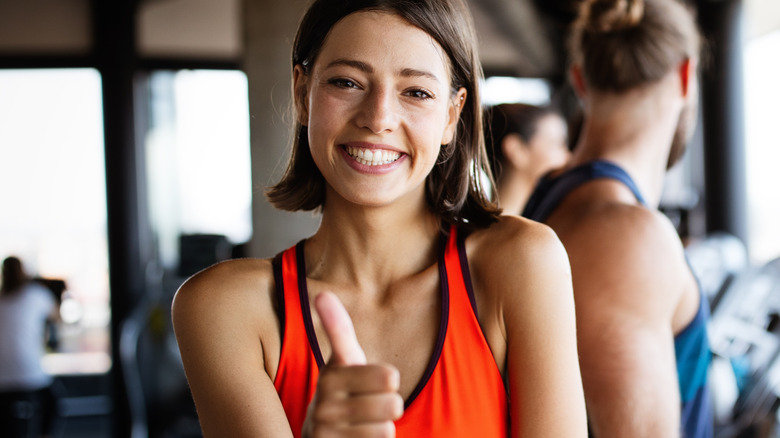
(453, 188)
(14, 276)
(623, 44)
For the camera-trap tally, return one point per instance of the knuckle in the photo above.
(317, 415)
(392, 377)
(322, 413)
(397, 406)
(386, 430)
(327, 382)
(321, 431)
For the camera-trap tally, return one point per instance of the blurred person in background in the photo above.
(641, 317)
(523, 143)
(27, 400)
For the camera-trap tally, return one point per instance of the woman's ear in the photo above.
(515, 151)
(577, 80)
(453, 115)
(300, 88)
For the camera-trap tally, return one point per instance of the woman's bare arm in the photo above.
(224, 319)
(527, 267)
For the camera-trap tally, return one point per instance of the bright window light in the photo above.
(762, 94)
(52, 171)
(198, 161)
(503, 89)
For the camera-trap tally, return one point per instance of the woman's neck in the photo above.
(372, 245)
(514, 190)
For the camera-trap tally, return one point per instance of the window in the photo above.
(762, 97)
(504, 89)
(54, 201)
(198, 161)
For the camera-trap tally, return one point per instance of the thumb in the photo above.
(344, 344)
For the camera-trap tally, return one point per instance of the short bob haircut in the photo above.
(454, 188)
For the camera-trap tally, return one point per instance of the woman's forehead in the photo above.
(382, 39)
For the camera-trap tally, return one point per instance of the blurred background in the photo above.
(137, 136)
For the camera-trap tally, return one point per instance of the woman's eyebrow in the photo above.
(364, 67)
(351, 63)
(412, 72)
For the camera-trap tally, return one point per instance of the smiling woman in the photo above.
(399, 103)
(302, 187)
(446, 304)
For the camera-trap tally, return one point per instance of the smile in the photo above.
(372, 157)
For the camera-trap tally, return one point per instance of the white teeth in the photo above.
(374, 157)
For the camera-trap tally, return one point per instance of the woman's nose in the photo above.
(379, 111)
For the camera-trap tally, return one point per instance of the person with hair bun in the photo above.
(415, 309)
(641, 318)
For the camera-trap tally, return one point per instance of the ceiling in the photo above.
(523, 38)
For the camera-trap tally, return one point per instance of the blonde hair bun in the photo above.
(605, 16)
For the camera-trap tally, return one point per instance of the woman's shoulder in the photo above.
(234, 287)
(518, 259)
(234, 275)
(37, 288)
(516, 240)
(521, 279)
(35, 292)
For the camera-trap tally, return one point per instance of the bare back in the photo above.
(634, 292)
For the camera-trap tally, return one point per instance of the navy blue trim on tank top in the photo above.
(443, 324)
(440, 337)
(303, 293)
(693, 334)
(464, 269)
(280, 305)
(551, 191)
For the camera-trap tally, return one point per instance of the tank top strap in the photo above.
(296, 376)
(551, 191)
(458, 275)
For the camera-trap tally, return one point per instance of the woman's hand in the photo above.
(353, 399)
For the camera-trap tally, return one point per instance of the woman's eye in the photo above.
(420, 94)
(343, 83)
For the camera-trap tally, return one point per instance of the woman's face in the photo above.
(378, 106)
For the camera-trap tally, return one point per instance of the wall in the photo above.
(270, 27)
(64, 28)
(208, 29)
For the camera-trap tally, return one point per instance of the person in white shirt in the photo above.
(25, 388)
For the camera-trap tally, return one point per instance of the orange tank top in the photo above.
(461, 393)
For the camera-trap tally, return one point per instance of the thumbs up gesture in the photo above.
(353, 398)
